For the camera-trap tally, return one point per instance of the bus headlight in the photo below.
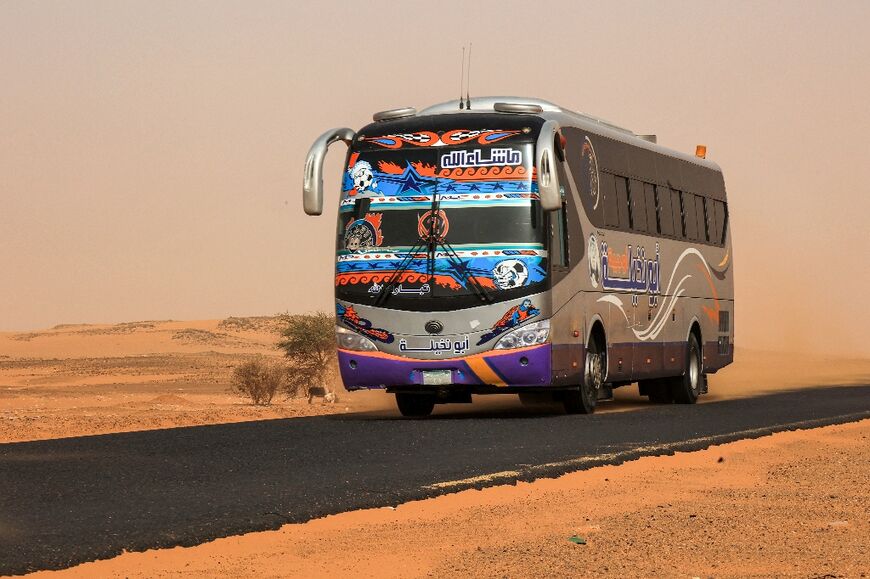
(530, 335)
(350, 340)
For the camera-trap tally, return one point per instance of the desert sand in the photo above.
(793, 504)
(76, 380)
(85, 379)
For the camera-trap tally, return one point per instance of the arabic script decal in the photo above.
(438, 346)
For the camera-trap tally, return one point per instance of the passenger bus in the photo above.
(514, 246)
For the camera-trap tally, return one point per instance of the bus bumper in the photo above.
(521, 367)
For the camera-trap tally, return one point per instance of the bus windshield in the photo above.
(431, 228)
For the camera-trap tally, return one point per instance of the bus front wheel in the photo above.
(415, 405)
(685, 389)
(584, 399)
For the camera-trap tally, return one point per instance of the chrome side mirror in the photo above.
(545, 165)
(312, 180)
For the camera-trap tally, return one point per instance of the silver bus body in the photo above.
(492, 249)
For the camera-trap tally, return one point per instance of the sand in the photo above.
(94, 379)
(792, 504)
(76, 380)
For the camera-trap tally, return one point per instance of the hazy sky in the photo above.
(151, 152)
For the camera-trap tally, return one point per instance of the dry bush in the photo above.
(259, 381)
(308, 342)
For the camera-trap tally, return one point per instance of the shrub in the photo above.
(308, 342)
(259, 381)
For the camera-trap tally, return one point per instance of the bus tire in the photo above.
(415, 405)
(685, 389)
(584, 399)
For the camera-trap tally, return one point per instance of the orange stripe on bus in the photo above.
(483, 372)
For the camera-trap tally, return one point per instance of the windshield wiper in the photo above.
(479, 290)
(432, 241)
(386, 289)
(461, 267)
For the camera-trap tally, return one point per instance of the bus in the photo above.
(514, 246)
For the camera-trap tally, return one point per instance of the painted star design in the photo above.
(411, 181)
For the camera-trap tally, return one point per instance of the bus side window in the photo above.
(701, 212)
(708, 220)
(652, 217)
(622, 202)
(589, 183)
(637, 208)
(665, 213)
(718, 222)
(608, 191)
(563, 238)
(677, 207)
(690, 218)
(559, 235)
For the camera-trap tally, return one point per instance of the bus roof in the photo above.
(565, 117)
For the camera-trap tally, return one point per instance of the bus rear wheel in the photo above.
(685, 389)
(415, 405)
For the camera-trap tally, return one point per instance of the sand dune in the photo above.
(232, 335)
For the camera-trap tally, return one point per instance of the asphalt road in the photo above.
(64, 502)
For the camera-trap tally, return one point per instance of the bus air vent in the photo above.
(394, 114)
(650, 138)
(724, 321)
(521, 108)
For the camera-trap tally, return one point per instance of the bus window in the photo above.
(572, 236)
(701, 219)
(718, 222)
(708, 219)
(608, 192)
(637, 206)
(563, 239)
(589, 182)
(622, 202)
(665, 213)
(652, 219)
(715, 232)
(559, 237)
(677, 206)
(690, 218)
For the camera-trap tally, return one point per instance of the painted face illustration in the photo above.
(594, 258)
(363, 177)
(364, 233)
(510, 273)
(358, 237)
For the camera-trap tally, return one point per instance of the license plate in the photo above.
(437, 377)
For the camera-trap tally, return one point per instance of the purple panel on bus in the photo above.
(523, 367)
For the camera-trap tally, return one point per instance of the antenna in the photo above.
(468, 81)
(462, 80)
